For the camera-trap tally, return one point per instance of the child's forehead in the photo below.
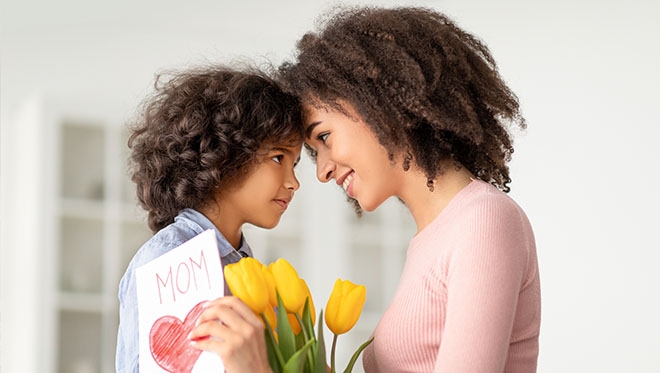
(291, 146)
(291, 141)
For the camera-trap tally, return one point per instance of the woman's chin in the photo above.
(368, 206)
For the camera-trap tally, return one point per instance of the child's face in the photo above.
(349, 152)
(266, 191)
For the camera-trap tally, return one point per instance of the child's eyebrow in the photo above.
(310, 129)
(281, 149)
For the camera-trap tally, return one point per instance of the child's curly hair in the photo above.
(201, 130)
(428, 90)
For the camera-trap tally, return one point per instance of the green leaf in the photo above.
(284, 331)
(349, 367)
(321, 365)
(308, 332)
(300, 341)
(307, 319)
(296, 364)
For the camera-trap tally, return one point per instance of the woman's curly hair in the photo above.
(201, 130)
(428, 90)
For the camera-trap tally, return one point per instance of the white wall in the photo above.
(585, 171)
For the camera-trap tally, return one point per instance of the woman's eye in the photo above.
(278, 158)
(323, 136)
(311, 151)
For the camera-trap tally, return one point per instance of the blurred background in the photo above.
(72, 74)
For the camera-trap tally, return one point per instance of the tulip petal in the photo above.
(246, 281)
(288, 285)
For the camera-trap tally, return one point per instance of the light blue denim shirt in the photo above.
(188, 224)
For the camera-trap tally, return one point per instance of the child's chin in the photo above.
(269, 225)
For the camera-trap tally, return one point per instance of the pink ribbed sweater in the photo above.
(469, 295)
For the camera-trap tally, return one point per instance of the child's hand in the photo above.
(229, 328)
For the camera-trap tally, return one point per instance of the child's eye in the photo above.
(278, 158)
(323, 136)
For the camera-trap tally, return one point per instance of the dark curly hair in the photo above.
(200, 130)
(428, 90)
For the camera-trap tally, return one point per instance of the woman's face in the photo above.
(349, 153)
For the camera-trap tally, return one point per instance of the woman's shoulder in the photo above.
(485, 199)
(478, 201)
(492, 223)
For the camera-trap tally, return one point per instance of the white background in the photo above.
(586, 172)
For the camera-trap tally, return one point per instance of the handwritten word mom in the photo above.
(183, 277)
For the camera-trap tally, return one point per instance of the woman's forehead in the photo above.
(315, 109)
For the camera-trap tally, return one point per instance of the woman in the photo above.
(403, 103)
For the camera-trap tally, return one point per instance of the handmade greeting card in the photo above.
(172, 290)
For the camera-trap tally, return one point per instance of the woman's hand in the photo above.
(229, 328)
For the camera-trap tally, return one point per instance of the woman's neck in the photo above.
(425, 205)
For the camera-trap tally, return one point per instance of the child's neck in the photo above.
(230, 230)
(233, 236)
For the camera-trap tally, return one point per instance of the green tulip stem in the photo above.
(302, 327)
(356, 354)
(271, 336)
(332, 353)
(310, 356)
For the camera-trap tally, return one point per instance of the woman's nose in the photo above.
(324, 169)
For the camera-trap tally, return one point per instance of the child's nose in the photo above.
(292, 182)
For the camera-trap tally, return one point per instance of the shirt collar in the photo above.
(224, 247)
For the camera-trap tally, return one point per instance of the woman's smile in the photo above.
(347, 183)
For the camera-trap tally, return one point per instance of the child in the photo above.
(215, 148)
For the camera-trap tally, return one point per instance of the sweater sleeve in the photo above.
(484, 279)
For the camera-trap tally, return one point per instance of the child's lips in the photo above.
(284, 203)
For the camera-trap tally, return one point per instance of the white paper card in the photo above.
(172, 290)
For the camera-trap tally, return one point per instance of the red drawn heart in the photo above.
(169, 344)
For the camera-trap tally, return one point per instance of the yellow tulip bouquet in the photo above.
(283, 301)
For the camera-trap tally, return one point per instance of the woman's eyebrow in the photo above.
(310, 129)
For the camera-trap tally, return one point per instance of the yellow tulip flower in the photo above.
(344, 306)
(270, 281)
(293, 321)
(271, 317)
(246, 280)
(288, 285)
